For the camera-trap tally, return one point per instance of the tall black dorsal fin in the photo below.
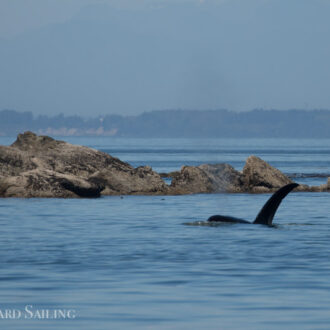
(268, 211)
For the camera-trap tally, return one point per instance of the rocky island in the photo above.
(40, 166)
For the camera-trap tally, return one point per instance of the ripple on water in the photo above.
(130, 263)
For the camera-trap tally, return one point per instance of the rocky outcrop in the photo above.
(136, 181)
(261, 177)
(207, 179)
(321, 188)
(47, 183)
(39, 166)
(257, 177)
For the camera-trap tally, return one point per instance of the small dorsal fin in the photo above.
(268, 211)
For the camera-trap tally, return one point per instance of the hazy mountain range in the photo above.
(176, 123)
(237, 54)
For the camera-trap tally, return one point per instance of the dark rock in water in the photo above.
(80, 190)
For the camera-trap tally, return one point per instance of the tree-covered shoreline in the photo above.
(176, 123)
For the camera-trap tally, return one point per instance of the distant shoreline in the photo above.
(310, 124)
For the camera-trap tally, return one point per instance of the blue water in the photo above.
(130, 263)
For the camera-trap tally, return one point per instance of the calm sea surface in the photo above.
(131, 263)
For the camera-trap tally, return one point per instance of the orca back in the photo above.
(225, 218)
(266, 214)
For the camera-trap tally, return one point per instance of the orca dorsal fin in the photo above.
(266, 214)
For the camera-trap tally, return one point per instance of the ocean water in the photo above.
(130, 262)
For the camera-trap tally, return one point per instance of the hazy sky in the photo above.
(93, 57)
